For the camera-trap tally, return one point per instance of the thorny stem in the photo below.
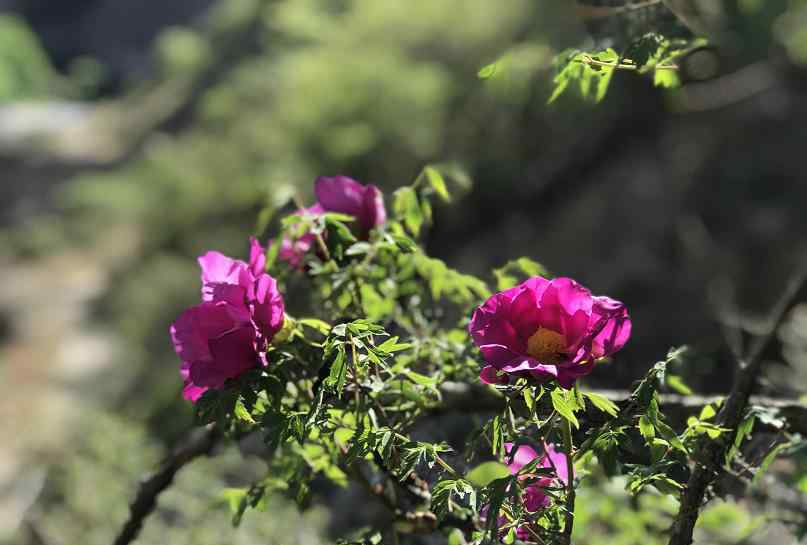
(199, 443)
(566, 429)
(711, 454)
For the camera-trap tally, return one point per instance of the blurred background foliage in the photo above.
(133, 138)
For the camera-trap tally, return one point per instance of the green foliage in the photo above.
(25, 71)
(587, 75)
(382, 333)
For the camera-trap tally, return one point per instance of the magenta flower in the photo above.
(345, 196)
(547, 329)
(534, 497)
(241, 311)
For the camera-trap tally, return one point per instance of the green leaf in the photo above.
(487, 472)
(337, 217)
(669, 434)
(768, 460)
(358, 248)
(676, 383)
(529, 400)
(456, 537)
(241, 412)
(374, 305)
(313, 323)
(272, 251)
(437, 182)
(666, 78)
(563, 406)
(392, 345)
(646, 428)
(338, 373)
(407, 208)
(602, 403)
(516, 271)
(487, 71)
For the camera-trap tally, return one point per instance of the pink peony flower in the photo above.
(345, 196)
(241, 311)
(547, 329)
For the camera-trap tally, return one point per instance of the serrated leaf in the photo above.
(646, 428)
(603, 403)
(338, 373)
(564, 407)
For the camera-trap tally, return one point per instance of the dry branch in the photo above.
(199, 443)
(709, 454)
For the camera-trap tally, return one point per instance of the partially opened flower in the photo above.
(342, 195)
(551, 470)
(535, 497)
(347, 196)
(223, 337)
(547, 329)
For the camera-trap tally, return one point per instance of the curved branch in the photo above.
(709, 453)
(199, 443)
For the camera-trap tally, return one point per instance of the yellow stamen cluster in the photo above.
(547, 346)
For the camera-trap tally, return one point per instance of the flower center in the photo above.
(547, 346)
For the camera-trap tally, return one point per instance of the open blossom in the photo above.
(547, 329)
(222, 337)
(345, 196)
(534, 497)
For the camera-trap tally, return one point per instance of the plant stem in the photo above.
(566, 429)
(447, 467)
(710, 455)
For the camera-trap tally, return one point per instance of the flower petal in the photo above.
(616, 329)
(520, 457)
(374, 213)
(257, 257)
(491, 375)
(340, 194)
(268, 309)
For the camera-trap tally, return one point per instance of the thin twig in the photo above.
(199, 443)
(467, 398)
(710, 453)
